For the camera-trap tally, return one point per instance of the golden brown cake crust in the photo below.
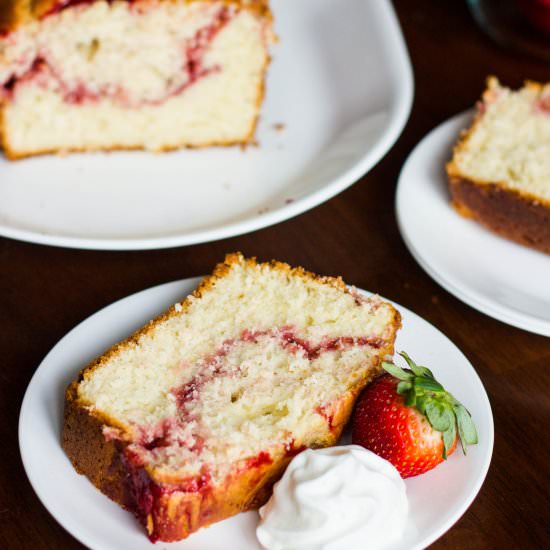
(13, 13)
(512, 215)
(178, 513)
(90, 453)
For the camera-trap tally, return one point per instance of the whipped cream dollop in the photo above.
(339, 498)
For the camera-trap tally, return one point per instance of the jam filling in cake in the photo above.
(120, 73)
(216, 397)
(174, 63)
(234, 374)
(230, 401)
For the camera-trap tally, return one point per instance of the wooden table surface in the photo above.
(46, 291)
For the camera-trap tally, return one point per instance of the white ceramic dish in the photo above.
(340, 82)
(437, 499)
(498, 277)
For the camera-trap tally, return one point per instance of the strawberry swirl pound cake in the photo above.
(82, 75)
(500, 171)
(194, 417)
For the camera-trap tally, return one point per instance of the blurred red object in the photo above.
(523, 25)
(537, 13)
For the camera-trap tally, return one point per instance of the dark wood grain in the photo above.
(45, 291)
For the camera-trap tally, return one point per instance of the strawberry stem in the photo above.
(444, 413)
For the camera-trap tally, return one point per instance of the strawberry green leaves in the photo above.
(398, 372)
(417, 369)
(444, 413)
(439, 416)
(466, 429)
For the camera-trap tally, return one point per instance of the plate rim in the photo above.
(453, 285)
(395, 49)
(192, 282)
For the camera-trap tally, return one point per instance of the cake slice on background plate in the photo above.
(141, 74)
(193, 418)
(500, 171)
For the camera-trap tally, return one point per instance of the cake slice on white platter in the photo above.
(142, 74)
(500, 171)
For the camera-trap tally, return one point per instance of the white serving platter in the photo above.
(340, 83)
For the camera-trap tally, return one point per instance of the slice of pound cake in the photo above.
(130, 74)
(193, 418)
(500, 171)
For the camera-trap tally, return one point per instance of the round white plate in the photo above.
(437, 499)
(498, 277)
(340, 83)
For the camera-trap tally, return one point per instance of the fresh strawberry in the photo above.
(408, 418)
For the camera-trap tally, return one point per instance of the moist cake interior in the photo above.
(257, 362)
(510, 142)
(147, 74)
